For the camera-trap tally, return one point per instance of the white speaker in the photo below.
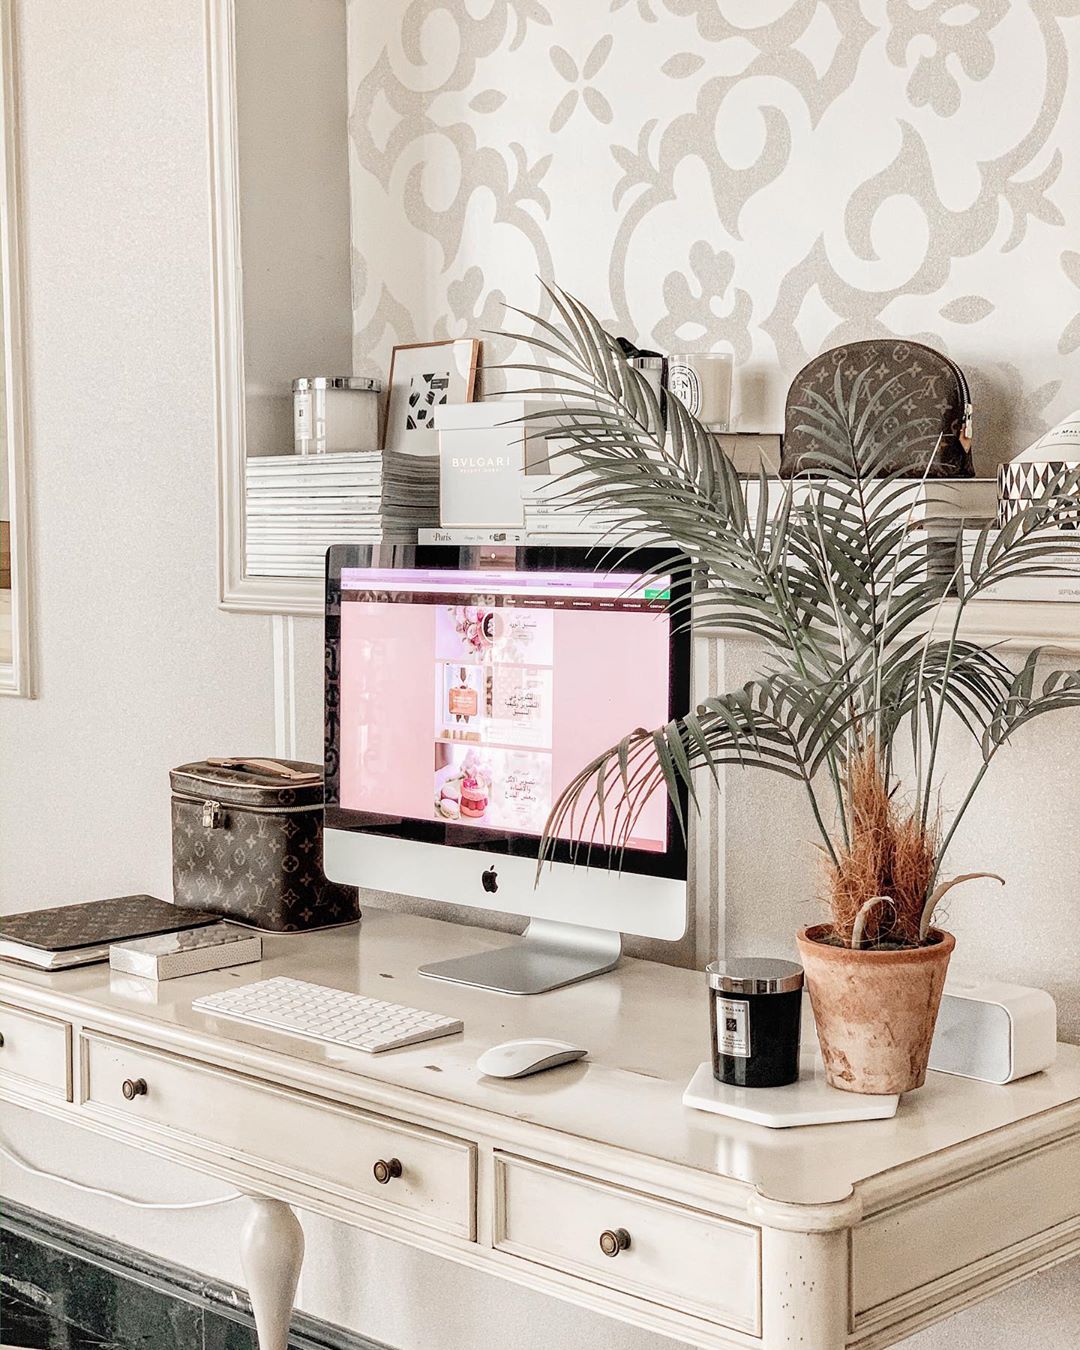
(994, 1032)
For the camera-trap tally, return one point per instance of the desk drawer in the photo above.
(307, 1139)
(683, 1258)
(36, 1052)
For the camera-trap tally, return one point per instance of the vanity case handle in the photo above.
(270, 767)
(385, 1171)
(134, 1087)
(614, 1240)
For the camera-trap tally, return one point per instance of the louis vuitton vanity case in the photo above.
(920, 397)
(247, 838)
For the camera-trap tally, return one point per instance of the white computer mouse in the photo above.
(518, 1059)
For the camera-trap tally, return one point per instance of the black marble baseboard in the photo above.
(63, 1288)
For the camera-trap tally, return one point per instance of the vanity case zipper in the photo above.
(228, 806)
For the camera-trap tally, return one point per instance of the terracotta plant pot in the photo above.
(875, 1011)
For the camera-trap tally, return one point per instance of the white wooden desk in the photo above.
(741, 1237)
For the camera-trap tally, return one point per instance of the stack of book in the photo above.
(938, 512)
(941, 505)
(1063, 587)
(78, 935)
(551, 510)
(298, 505)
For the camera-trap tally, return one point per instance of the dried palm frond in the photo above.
(892, 855)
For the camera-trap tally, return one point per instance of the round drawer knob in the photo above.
(614, 1240)
(134, 1087)
(1, 1040)
(385, 1170)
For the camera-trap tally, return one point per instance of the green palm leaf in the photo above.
(830, 573)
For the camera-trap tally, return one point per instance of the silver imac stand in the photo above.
(548, 956)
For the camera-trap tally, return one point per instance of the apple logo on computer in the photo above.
(489, 878)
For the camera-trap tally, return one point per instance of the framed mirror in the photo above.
(15, 668)
(282, 260)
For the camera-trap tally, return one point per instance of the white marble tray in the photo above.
(810, 1101)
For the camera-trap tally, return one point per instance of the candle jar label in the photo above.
(685, 383)
(733, 1027)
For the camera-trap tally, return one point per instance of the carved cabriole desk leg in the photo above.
(272, 1252)
(806, 1293)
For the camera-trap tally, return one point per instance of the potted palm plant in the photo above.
(865, 663)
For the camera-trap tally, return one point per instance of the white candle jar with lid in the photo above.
(702, 382)
(334, 413)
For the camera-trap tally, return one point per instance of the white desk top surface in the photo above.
(645, 1026)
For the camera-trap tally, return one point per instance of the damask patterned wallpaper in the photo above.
(769, 176)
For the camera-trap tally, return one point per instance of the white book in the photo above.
(312, 470)
(303, 525)
(1053, 589)
(35, 956)
(313, 542)
(355, 461)
(258, 568)
(573, 509)
(371, 473)
(463, 536)
(287, 551)
(935, 499)
(971, 537)
(334, 457)
(348, 492)
(589, 538)
(316, 491)
(288, 568)
(309, 541)
(573, 526)
(309, 469)
(308, 525)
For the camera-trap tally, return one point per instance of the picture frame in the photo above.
(423, 376)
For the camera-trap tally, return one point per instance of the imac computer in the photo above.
(465, 688)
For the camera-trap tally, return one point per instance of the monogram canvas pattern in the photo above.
(260, 864)
(243, 787)
(917, 395)
(96, 922)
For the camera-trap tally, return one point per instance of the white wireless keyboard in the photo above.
(331, 1015)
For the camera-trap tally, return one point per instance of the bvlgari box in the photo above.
(481, 463)
(486, 452)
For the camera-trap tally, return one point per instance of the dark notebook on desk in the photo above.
(76, 935)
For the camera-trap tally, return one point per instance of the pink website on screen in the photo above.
(480, 713)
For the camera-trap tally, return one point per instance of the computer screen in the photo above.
(466, 698)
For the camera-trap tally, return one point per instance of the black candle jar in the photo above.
(755, 1012)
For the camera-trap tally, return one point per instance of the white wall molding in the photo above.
(16, 676)
(237, 589)
(284, 685)
(709, 853)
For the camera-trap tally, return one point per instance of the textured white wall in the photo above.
(139, 669)
(769, 179)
